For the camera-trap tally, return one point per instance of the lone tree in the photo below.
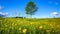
(31, 8)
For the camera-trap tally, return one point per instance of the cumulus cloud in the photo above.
(54, 13)
(1, 13)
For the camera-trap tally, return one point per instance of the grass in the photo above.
(29, 26)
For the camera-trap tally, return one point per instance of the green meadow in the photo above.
(29, 26)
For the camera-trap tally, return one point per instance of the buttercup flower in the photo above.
(41, 27)
(19, 29)
(24, 30)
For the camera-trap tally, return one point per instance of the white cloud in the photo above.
(54, 13)
(6, 13)
(1, 13)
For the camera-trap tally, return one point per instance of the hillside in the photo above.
(30, 26)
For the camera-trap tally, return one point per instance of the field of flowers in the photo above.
(29, 26)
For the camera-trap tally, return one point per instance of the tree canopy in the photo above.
(31, 8)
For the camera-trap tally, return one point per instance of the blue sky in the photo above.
(45, 7)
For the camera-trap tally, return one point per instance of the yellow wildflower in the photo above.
(12, 24)
(15, 24)
(51, 25)
(24, 30)
(19, 29)
(31, 23)
(41, 27)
